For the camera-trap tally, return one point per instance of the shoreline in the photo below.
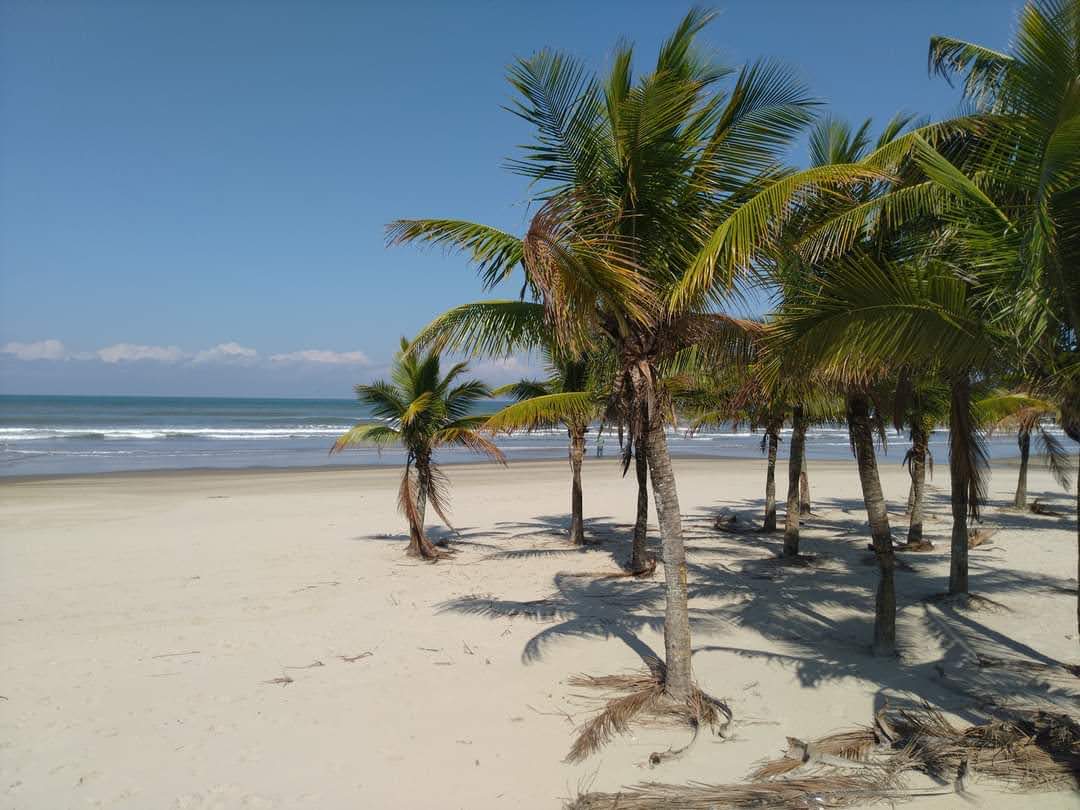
(240, 472)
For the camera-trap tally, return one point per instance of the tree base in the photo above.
(643, 699)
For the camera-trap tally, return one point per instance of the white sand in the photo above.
(143, 616)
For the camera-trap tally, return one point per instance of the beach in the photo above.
(237, 639)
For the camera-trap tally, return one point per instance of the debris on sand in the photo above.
(1027, 750)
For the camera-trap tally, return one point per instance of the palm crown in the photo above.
(422, 410)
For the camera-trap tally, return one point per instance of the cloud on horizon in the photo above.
(223, 353)
(226, 369)
(322, 356)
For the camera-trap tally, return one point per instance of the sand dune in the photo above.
(259, 640)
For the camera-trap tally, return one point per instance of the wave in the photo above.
(22, 434)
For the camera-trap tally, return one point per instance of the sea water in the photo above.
(52, 435)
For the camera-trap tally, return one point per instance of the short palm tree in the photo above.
(1026, 415)
(568, 397)
(422, 410)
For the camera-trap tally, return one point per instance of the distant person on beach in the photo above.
(599, 444)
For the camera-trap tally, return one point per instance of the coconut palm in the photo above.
(422, 410)
(633, 174)
(568, 397)
(921, 402)
(1026, 415)
(1025, 152)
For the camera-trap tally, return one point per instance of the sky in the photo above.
(193, 195)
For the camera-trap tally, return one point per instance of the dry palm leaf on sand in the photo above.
(1028, 751)
(641, 697)
(832, 790)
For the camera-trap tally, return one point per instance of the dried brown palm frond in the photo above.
(644, 699)
(979, 537)
(835, 749)
(818, 791)
(1032, 750)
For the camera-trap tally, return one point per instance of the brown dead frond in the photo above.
(819, 791)
(835, 749)
(917, 546)
(1028, 750)
(1042, 509)
(979, 537)
(644, 700)
(1031, 750)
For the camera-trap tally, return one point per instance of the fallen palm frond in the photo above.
(644, 699)
(831, 790)
(917, 546)
(1042, 509)
(1028, 751)
(852, 745)
(979, 537)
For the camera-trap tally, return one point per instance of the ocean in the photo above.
(56, 435)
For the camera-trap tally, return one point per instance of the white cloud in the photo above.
(324, 357)
(226, 353)
(126, 352)
(40, 350)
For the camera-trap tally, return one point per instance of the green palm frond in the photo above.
(466, 436)
(756, 226)
(492, 328)
(548, 410)
(377, 435)
(984, 68)
(523, 389)
(494, 252)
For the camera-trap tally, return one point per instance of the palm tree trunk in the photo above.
(791, 517)
(960, 480)
(678, 678)
(770, 482)
(918, 484)
(876, 512)
(1024, 439)
(577, 453)
(638, 561)
(419, 545)
(804, 483)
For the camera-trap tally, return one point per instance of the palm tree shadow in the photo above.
(603, 535)
(816, 614)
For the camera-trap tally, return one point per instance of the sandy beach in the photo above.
(259, 640)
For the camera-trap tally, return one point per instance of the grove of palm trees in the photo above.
(916, 276)
(621, 405)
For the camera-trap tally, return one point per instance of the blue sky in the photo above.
(193, 195)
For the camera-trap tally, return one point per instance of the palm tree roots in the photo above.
(641, 697)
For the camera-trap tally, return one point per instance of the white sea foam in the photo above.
(114, 433)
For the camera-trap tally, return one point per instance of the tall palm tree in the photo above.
(568, 397)
(634, 173)
(422, 410)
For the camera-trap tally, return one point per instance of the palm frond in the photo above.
(494, 252)
(547, 410)
(377, 435)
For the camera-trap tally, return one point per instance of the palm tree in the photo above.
(422, 410)
(1023, 150)
(1026, 415)
(634, 175)
(567, 397)
(921, 402)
